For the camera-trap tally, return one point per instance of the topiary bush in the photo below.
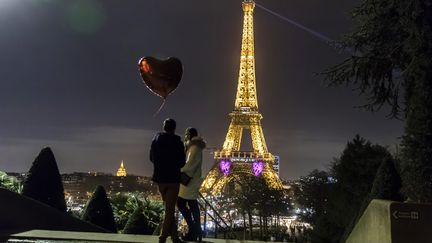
(44, 183)
(99, 211)
(387, 183)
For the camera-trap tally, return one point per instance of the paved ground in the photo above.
(46, 236)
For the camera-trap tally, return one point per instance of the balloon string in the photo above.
(160, 108)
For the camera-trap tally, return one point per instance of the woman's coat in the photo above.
(192, 168)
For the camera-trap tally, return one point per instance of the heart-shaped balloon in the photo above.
(161, 76)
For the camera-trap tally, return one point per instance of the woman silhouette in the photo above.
(187, 200)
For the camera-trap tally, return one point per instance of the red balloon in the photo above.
(161, 76)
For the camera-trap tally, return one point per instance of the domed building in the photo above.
(121, 171)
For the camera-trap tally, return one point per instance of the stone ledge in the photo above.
(19, 213)
(76, 237)
(393, 222)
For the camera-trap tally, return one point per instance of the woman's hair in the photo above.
(192, 132)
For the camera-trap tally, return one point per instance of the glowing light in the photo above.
(86, 16)
(225, 167)
(244, 118)
(121, 171)
(249, 57)
(257, 167)
(8, 7)
(145, 66)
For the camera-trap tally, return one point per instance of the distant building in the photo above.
(79, 187)
(276, 164)
(121, 171)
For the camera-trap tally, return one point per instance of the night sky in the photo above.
(69, 80)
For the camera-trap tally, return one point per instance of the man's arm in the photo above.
(152, 150)
(182, 155)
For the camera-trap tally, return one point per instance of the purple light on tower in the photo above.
(225, 167)
(257, 167)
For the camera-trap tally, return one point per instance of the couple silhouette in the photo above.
(173, 160)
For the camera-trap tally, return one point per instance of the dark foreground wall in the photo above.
(19, 213)
(393, 222)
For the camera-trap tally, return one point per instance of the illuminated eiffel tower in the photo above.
(230, 162)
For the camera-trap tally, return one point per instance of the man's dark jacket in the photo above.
(168, 157)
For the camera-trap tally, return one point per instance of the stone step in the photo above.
(51, 236)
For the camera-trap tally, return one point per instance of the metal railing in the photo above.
(219, 222)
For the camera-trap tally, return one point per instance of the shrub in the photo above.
(44, 183)
(138, 224)
(99, 212)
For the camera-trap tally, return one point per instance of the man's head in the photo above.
(169, 125)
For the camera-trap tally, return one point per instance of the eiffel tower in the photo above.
(230, 162)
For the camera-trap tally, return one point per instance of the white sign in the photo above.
(406, 215)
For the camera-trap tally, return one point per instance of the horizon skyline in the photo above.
(392, 150)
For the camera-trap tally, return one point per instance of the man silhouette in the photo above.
(168, 157)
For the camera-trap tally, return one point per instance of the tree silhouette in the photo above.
(390, 64)
(99, 212)
(252, 194)
(44, 183)
(313, 195)
(387, 182)
(352, 176)
(386, 186)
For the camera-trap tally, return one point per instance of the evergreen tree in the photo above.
(355, 170)
(44, 183)
(99, 212)
(325, 230)
(387, 182)
(353, 174)
(138, 224)
(391, 64)
(386, 186)
(416, 152)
